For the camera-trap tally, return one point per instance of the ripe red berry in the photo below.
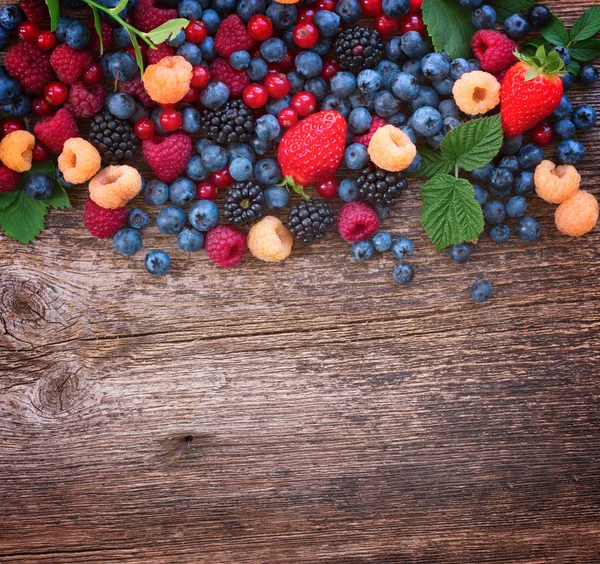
(371, 7)
(306, 13)
(260, 27)
(200, 77)
(196, 31)
(40, 153)
(412, 22)
(144, 128)
(327, 188)
(385, 25)
(277, 84)
(326, 5)
(93, 75)
(191, 96)
(206, 191)
(221, 179)
(287, 63)
(28, 31)
(46, 40)
(330, 68)
(10, 125)
(56, 93)
(542, 134)
(255, 96)
(287, 117)
(41, 107)
(304, 103)
(415, 6)
(305, 35)
(170, 120)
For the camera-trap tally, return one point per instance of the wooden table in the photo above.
(312, 411)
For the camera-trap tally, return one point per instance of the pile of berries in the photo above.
(243, 79)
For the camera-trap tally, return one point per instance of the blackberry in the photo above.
(232, 123)
(114, 138)
(380, 187)
(244, 203)
(358, 48)
(308, 221)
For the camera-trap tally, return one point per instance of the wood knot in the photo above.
(23, 301)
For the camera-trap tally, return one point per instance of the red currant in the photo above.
(287, 117)
(40, 153)
(327, 188)
(385, 25)
(221, 179)
(56, 93)
(255, 96)
(412, 22)
(305, 35)
(415, 6)
(260, 27)
(200, 77)
(326, 5)
(46, 40)
(206, 191)
(304, 103)
(330, 68)
(287, 63)
(306, 14)
(28, 31)
(196, 31)
(277, 84)
(191, 96)
(93, 75)
(144, 128)
(542, 134)
(10, 125)
(371, 7)
(170, 120)
(41, 107)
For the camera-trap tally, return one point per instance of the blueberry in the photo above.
(38, 186)
(564, 110)
(405, 86)
(584, 117)
(204, 215)
(241, 150)
(415, 166)
(494, 212)
(214, 158)
(500, 233)
(9, 90)
(214, 95)
(190, 120)
(190, 240)
(385, 104)
(348, 190)
(240, 169)
(410, 132)
(63, 23)
(267, 127)
(481, 194)
(282, 15)
(471, 4)
(327, 22)
(413, 66)
(481, 291)
(529, 229)
(356, 156)
(322, 46)
(240, 60)
(564, 54)
(501, 182)
(568, 80)
(484, 18)
(156, 193)
(211, 20)
(571, 151)
(359, 120)
(458, 67)
(427, 121)
(388, 71)
(524, 183)
(398, 119)
(121, 105)
(483, 174)
(530, 156)
(196, 170)
(435, 66)
(77, 35)
(565, 128)
(516, 207)
(341, 105)
(382, 242)
(368, 81)
(121, 66)
(449, 124)
(395, 8)
(517, 27)
(62, 181)
(363, 250)
(427, 97)
(176, 40)
(127, 241)
(11, 15)
(170, 220)
(343, 84)
(435, 141)
(443, 87)
(224, 6)
(182, 191)
(296, 82)
(190, 9)
(588, 75)
(460, 254)
(259, 146)
(276, 197)
(358, 100)
(317, 87)
(393, 50)
(512, 145)
(448, 108)
(155, 117)
(273, 50)
(3, 38)
(248, 8)
(403, 273)
(138, 219)
(157, 263)
(139, 112)
(348, 10)
(267, 172)
(257, 69)
(307, 63)
(475, 64)
(191, 53)
(402, 248)
(413, 44)
(539, 16)
(511, 163)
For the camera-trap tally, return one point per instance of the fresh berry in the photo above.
(78, 161)
(516, 27)
(9, 125)
(371, 8)
(287, 117)
(403, 273)
(309, 221)
(516, 207)
(556, 184)
(542, 134)
(115, 185)
(136, 89)
(101, 222)
(162, 51)
(170, 120)
(412, 22)
(190, 240)
(327, 188)
(539, 16)
(385, 25)
(56, 93)
(232, 123)
(304, 103)
(168, 81)
(232, 36)
(221, 179)
(93, 75)
(28, 31)
(255, 96)
(570, 151)
(167, 156)
(196, 32)
(113, 138)
(391, 149)
(127, 242)
(305, 35)
(225, 246)
(494, 212)
(200, 76)
(481, 291)
(35, 10)
(9, 179)
(15, 150)
(157, 263)
(85, 101)
(460, 254)
(30, 66)
(270, 240)
(108, 37)
(363, 250)
(494, 51)
(147, 15)
(365, 139)
(476, 92)
(69, 64)
(528, 229)
(578, 215)
(277, 84)
(380, 187)
(46, 40)
(357, 221)
(171, 220)
(54, 131)
(38, 186)
(41, 108)
(260, 27)
(244, 203)
(358, 48)
(235, 80)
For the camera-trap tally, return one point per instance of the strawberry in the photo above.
(313, 149)
(531, 91)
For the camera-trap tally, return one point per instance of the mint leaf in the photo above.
(166, 30)
(450, 215)
(23, 220)
(587, 25)
(54, 11)
(7, 198)
(556, 32)
(586, 50)
(432, 163)
(449, 25)
(473, 144)
(506, 8)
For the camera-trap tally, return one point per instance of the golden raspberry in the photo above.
(476, 92)
(15, 150)
(555, 184)
(79, 160)
(578, 215)
(391, 149)
(269, 240)
(168, 81)
(115, 185)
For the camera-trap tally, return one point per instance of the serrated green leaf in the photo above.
(167, 30)
(432, 163)
(587, 25)
(450, 215)
(23, 220)
(474, 144)
(586, 50)
(7, 198)
(98, 27)
(506, 8)
(556, 32)
(59, 198)
(54, 11)
(450, 27)
(574, 67)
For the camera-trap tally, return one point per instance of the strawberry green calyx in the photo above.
(548, 64)
(293, 187)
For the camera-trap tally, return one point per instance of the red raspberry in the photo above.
(235, 80)
(167, 156)
(365, 138)
(143, 48)
(232, 36)
(494, 50)
(225, 246)
(103, 223)
(53, 131)
(9, 179)
(85, 101)
(357, 222)
(147, 16)
(136, 89)
(35, 10)
(69, 64)
(30, 66)
(108, 37)
(163, 50)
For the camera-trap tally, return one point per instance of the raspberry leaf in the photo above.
(7, 198)
(432, 163)
(450, 215)
(556, 32)
(167, 30)
(473, 144)
(23, 220)
(59, 199)
(450, 27)
(587, 25)
(506, 8)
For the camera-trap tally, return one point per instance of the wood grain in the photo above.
(305, 412)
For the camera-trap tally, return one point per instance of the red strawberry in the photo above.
(313, 149)
(494, 50)
(168, 156)
(232, 36)
(531, 91)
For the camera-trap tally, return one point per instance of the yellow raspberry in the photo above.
(578, 215)
(168, 81)
(391, 149)
(114, 186)
(79, 160)
(269, 240)
(555, 184)
(15, 150)
(476, 92)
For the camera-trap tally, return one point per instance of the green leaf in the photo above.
(24, 219)
(98, 27)
(556, 32)
(506, 8)
(474, 144)
(587, 25)
(432, 163)
(138, 52)
(450, 215)
(166, 30)
(449, 25)
(119, 7)
(54, 11)
(7, 198)
(59, 199)
(574, 67)
(586, 50)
